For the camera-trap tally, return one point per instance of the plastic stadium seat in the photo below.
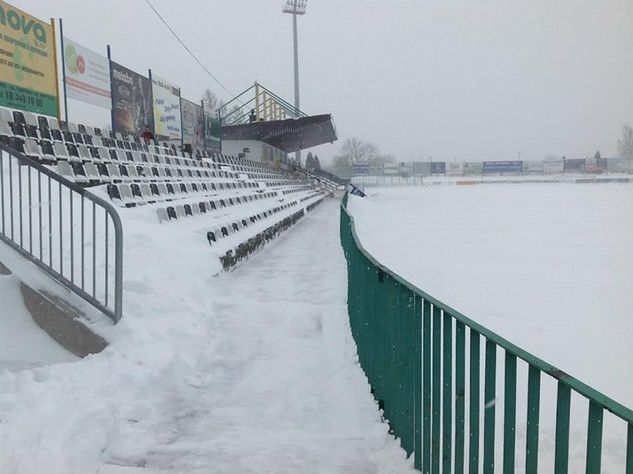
(5, 129)
(67, 171)
(92, 173)
(180, 211)
(60, 151)
(114, 172)
(162, 214)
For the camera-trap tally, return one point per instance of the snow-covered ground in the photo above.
(249, 371)
(547, 266)
(22, 343)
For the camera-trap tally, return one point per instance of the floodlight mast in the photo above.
(296, 7)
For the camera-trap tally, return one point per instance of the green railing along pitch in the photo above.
(413, 350)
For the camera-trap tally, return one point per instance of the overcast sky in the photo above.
(465, 80)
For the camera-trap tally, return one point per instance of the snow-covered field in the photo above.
(547, 266)
(249, 371)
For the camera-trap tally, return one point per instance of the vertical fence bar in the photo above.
(629, 449)
(83, 243)
(435, 423)
(594, 438)
(20, 203)
(61, 233)
(30, 213)
(39, 213)
(11, 194)
(417, 389)
(105, 215)
(489, 407)
(447, 402)
(473, 412)
(94, 249)
(72, 240)
(533, 407)
(561, 453)
(50, 225)
(460, 388)
(426, 384)
(509, 413)
(2, 189)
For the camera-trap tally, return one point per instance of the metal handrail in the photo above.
(566, 382)
(65, 187)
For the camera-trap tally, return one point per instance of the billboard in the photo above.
(492, 167)
(28, 78)
(454, 169)
(438, 167)
(131, 100)
(574, 164)
(422, 168)
(553, 166)
(166, 101)
(473, 168)
(212, 133)
(391, 169)
(192, 124)
(361, 168)
(618, 165)
(533, 167)
(87, 75)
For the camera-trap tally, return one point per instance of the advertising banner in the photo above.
(553, 166)
(454, 169)
(533, 166)
(212, 134)
(618, 165)
(166, 99)
(422, 168)
(375, 169)
(192, 124)
(492, 167)
(391, 169)
(27, 62)
(473, 168)
(438, 167)
(361, 168)
(87, 75)
(131, 101)
(575, 164)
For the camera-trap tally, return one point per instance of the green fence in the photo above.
(413, 349)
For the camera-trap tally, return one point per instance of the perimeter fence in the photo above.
(438, 391)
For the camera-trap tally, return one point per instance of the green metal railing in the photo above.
(413, 349)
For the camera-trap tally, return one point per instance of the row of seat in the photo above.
(253, 244)
(256, 242)
(28, 125)
(237, 225)
(202, 207)
(133, 194)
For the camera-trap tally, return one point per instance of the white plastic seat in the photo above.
(113, 171)
(162, 214)
(92, 172)
(61, 151)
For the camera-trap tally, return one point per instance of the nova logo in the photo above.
(19, 22)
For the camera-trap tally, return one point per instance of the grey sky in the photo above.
(449, 79)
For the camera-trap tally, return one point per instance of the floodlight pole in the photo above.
(293, 7)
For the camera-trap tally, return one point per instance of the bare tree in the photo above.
(625, 143)
(354, 151)
(210, 101)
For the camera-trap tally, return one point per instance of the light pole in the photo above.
(296, 7)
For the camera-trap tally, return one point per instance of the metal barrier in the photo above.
(412, 348)
(69, 233)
